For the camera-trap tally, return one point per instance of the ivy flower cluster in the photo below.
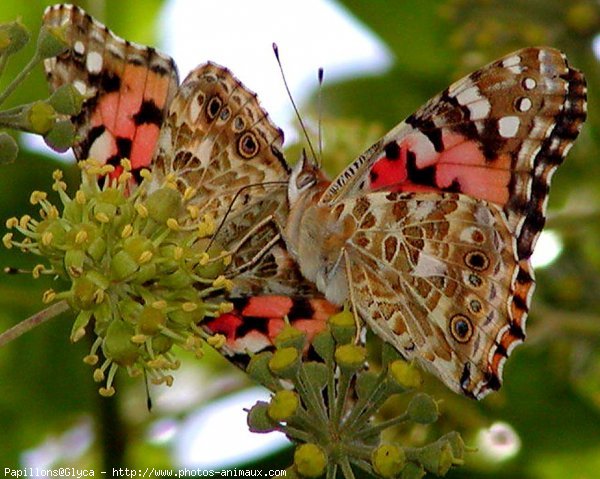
(138, 278)
(330, 407)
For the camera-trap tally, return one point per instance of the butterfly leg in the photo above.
(357, 320)
(247, 236)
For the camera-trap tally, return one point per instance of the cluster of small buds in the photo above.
(328, 407)
(137, 278)
(49, 117)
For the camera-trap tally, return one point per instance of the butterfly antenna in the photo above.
(287, 88)
(320, 106)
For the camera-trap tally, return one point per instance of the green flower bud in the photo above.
(8, 148)
(97, 248)
(161, 344)
(122, 265)
(258, 419)
(83, 294)
(163, 204)
(405, 375)
(310, 460)
(350, 357)
(187, 318)
(422, 409)
(137, 247)
(388, 460)
(343, 327)
(66, 100)
(51, 41)
(283, 405)
(73, 212)
(118, 346)
(317, 374)
(365, 383)
(61, 137)
(210, 270)
(74, 261)
(151, 320)
(97, 278)
(324, 345)
(180, 279)
(40, 116)
(285, 362)
(13, 37)
(259, 370)
(290, 337)
(438, 457)
(146, 272)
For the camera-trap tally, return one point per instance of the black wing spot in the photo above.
(423, 176)
(148, 113)
(392, 151)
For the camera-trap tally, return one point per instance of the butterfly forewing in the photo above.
(127, 88)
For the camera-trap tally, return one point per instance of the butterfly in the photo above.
(209, 133)
(428, 234)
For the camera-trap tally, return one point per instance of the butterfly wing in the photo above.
(127, 87)
(489, 144)
(431, 273)
(212, 135)
(497, 135)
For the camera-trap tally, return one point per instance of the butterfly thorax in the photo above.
(316, 240)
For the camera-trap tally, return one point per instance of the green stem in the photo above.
(20, 77)
(366, 406)
(33, 321)
(331, 471)
(313, 401)
(346, 468)
(373, 430)
(342, 393)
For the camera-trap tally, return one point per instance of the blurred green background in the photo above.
(551, 396)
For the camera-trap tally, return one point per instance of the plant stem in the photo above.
(19, 78)
(33, 321)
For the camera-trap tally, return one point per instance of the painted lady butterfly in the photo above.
(428, 234)
(212, 134)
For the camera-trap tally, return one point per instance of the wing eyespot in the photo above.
(461, 328)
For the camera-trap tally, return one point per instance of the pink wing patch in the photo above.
(128, 89)
(413, 165)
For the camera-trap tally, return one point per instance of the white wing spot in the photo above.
(469, 95)
(508, 126)
(79, 47)
(80, 86)
(524, 104)
(480, 109)
(529, 83)
(511, 61)
(94, 62)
